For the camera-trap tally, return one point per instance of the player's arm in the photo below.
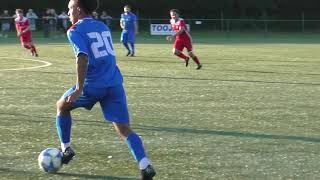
(181, 30)
(121, 25)
(25, 30)
(17, 29)
(174, 35)
(122, 22)
(81, 53)
(82, 65)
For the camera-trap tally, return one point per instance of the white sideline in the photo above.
(46, 64)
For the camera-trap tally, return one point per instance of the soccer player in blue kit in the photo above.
(128, 23)
(98, 80)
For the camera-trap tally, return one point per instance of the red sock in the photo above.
(181, 55)
(196, 60)
(33, 49)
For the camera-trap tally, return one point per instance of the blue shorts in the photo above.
(112, 101)
(127, 36)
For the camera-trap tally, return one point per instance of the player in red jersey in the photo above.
(24, 33)
(183, 38)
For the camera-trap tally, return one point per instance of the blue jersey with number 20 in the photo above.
(93, 38)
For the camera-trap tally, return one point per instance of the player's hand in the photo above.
(73, 96)
(18, 34)
(169, 38)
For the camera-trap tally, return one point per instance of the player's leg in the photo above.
(33, 48)
(124, 40)
(64, 121)
(195, 58)
(132, 48)
(115, 109)
(181, 55)
(26, 45)
(135, 145)
(131, 40)
(177, 50)
(26, 42)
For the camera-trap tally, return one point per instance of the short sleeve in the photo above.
(77, 42)
(121, 19)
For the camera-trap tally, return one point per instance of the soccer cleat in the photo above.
(67, 155)
(199, 66)
(128, 53)
(36, 55)
(187, 61)
(148, 173)
(132, 55)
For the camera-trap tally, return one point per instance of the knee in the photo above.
(191, 54)
(27, 46)
(62, 108)
(123, 130)
(175, 52)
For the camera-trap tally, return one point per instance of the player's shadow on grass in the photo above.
(84, 122)
(221, 80)
(228, 133)
(62, 175)
(88, 176)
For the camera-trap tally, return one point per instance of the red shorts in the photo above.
(26, 37)
(179, 44)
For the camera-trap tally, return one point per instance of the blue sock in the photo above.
(135, 145)
(126, 46)
(132, 47)
(63, 124)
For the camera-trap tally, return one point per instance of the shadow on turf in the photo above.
(87, 176)
(222, 80)
(207, 79)
(175, 130)
(228, 133)
(63, 175)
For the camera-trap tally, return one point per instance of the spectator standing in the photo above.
(32, 16)
(106, 18)
(5, 20)
(95, 15)
(63, 17)
(53, 21)
(46, 23)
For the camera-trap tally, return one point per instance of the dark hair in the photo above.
(19, 11)
(175, 10)
(88, 5)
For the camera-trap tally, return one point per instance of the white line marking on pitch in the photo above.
(46, 64)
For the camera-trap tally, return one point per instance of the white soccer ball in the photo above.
(50, 160)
